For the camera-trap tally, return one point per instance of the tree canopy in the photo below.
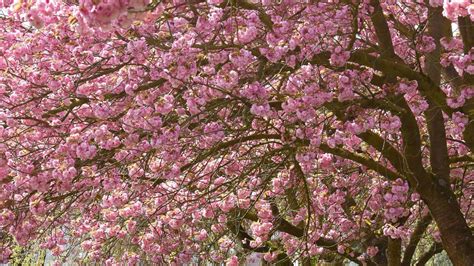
(173, 132)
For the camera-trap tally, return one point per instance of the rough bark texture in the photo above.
(394, 251)
(455, 233)
(466, 28)
(456, 236)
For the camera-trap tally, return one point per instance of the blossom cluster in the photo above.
(210, 130)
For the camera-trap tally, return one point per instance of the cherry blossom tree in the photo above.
(174, 132)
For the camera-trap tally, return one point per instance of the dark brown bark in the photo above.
(466, 28)
(439, 158)
(437, 195)
(456, 236)
(468, 133)
(415, 239)
(394, 251)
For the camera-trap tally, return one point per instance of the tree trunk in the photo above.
(435, 188)
(394, 251)
(456, 236)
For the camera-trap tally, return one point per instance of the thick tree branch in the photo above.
(380, 144)
(412, 146)
(365, 161)
(439, 157)
(382, 30)
(425, 85)
(466, 28)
